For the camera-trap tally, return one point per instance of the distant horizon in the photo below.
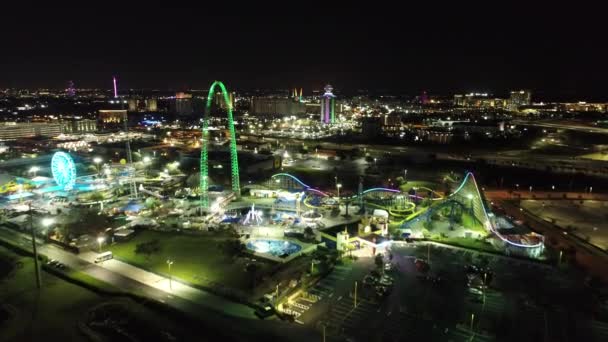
(537, 96)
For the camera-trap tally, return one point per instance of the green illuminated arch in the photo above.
(234, 162)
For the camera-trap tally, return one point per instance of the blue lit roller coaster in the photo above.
(64, 170)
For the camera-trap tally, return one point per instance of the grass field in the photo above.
(466, 243)
(53, 313)
(196, 259)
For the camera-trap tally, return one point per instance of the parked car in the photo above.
(264, 312)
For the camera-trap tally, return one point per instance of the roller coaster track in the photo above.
(470, 192)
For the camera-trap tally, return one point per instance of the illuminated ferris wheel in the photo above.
(64, 170)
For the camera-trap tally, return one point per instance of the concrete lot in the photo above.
(589, 218)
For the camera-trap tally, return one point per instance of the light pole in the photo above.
(100, 240)
(146, 161)
(338, 186)
(34, 169)
(169, 263)
(97, 161)
(472, 319)
(36, 265)
(355, 294)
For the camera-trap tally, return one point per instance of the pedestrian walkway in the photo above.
(171, 287)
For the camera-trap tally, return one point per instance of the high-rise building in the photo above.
(519, 98)
(182, 105)
(133, 104)
(70, 90)
(328, 106)
(109, 119)
(219, 102)
(151, 105)
(277, 105)
(478, 100)
(16, 130)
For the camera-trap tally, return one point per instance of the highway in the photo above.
(580, 128)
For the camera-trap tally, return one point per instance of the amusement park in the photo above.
(272, 236)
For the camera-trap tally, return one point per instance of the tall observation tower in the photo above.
(328, 106)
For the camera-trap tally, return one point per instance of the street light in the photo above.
(472, 319)
(47, 221)
(146, 161)
(169, 263)
(97, 161)
(34, 169)
(338, 186)
(100, 240)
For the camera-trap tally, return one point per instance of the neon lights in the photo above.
(483, 207)
(234, 162)
(379, 189)
(318, 191)
(64, 170)
(115, 90)
(292, 177)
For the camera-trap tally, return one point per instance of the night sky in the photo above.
(559, 53)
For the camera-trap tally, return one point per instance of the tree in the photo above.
(152, 203)
(148, 248)
(96, 196)
(232, 247)
(379, 261)
(252, 270)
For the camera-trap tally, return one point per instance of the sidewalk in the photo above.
(172, 287)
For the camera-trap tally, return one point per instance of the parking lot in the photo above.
(456, 295)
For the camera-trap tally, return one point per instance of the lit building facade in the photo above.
(328, 106)
(219, 101)
(478, 100)
(518, 99)
(111, 118)
(14, 130)
(182, 105)
(274, 105)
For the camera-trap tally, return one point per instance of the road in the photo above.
(494, 194)
(237, 318)
(572, 127)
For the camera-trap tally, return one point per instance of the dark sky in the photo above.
(556, 52)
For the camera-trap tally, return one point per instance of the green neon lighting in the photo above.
(234, 162)
(332, 108)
